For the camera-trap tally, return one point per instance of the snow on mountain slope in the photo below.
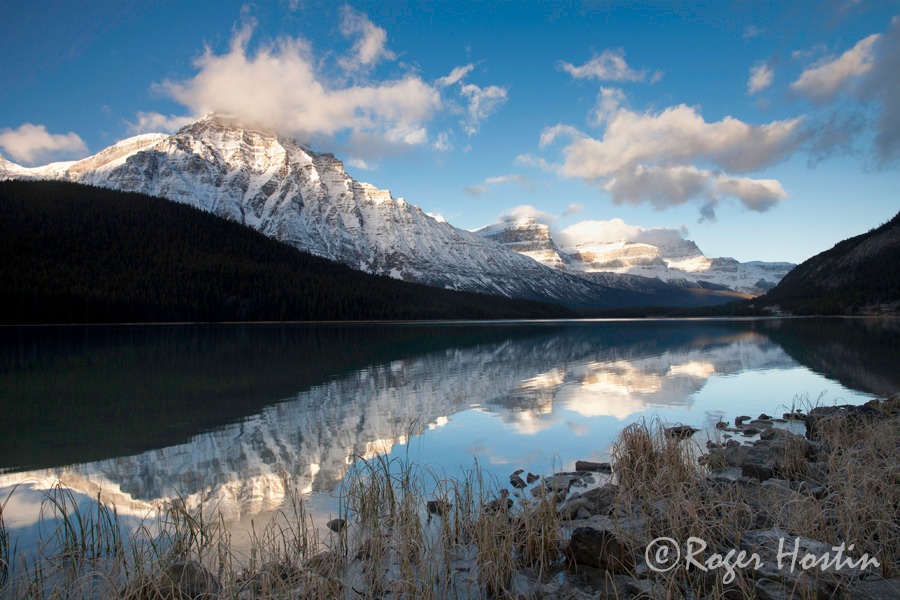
(307, 200)
(678, 263)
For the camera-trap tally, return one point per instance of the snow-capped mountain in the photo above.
(678, 263)
(306, 199)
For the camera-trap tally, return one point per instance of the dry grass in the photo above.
(392, 545)
(850, 494)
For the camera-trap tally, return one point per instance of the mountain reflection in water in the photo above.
(228, 414)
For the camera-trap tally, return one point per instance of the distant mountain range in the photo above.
(679, 263)
(858, 275)
(306, 199)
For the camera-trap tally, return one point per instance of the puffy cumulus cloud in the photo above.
(825, 80)
(616, 230)
(649, 157)
(154, 122)
(883, 86)
(280, 85)
(31, 144)
(755, 194)
(663, 187)
(660, 186)
(483, 102)
(523, 212)
(761, 75)
(610, 65)
(678, 135)
(869, 74)
(370, 47)
(277, 87)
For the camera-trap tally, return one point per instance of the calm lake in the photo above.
(219, 414)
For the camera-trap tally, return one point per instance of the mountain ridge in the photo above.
(306, 199)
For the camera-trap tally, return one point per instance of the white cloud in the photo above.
(369, 48)
(610, 65)
(751, 31)
(663, 187)
(30, 144)
(455, 76)
(475, 190)
(660, 186)
(154, 122)
(483, 102)
(443, 141)
(277, 87)
(358, 163)
(869, 74)
(616, 230)
(883, 84)
(530, 160)
(513, 177)
(521, 213)
(608, 101)
(551, 134)
(755, 194)
(761, 75)
(823, 81)
(678, 135)
(573, 208)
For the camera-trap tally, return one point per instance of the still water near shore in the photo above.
(225, 415)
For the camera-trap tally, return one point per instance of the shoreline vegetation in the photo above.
(762, 511)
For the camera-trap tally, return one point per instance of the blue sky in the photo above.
(762, 131)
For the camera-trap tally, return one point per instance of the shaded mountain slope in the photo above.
(858, 274)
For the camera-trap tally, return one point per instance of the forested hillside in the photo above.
(859, 274)
(80, 254)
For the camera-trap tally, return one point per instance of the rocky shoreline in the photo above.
(764, 490)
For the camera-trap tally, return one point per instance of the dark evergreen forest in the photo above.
(831, 284)
(80, 254)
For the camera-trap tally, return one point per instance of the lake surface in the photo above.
(220, 414)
